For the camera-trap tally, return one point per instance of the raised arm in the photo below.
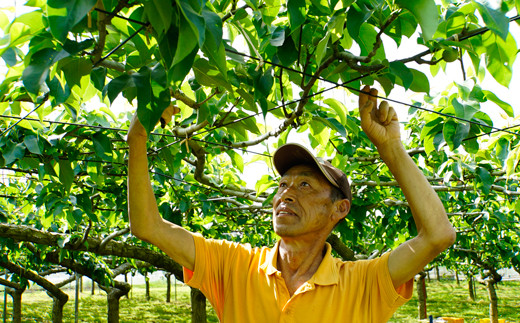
(435, 232)
(145, 221)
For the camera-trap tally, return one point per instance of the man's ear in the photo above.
(342, 207)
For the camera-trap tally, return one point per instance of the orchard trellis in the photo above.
(244, 74)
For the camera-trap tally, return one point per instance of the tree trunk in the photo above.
(198, 306)
(147, 284)
(57, 308)
(113, 296)
(457, 277)
(421, 295)
(471, 288)
(93, 287)
(16, 295)
(493, 301)
(437, 272)
(168, 287)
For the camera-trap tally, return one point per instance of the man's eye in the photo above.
(304, 184)
(283, 185)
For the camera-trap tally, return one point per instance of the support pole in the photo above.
(5, 299)
(76, 301)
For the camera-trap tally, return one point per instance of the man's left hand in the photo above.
(379, 123)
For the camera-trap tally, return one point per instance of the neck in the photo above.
(298, 259)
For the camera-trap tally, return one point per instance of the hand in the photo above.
(136, 129)
(380, 124)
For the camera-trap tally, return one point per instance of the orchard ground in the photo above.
(445, 298)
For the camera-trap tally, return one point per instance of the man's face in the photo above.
(302, 205)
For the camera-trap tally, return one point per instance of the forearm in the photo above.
(142, 206)
(427, 209)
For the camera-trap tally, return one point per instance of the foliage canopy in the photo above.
(247, 74)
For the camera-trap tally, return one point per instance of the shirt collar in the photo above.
(327, 273)
(269, 263)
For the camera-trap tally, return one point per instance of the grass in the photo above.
(445, 298)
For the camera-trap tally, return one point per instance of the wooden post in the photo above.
(168, 287)
(421, 295)
(471, 288)
(198, 306)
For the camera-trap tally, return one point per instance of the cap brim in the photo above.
(290, 155)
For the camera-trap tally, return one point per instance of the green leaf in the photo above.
(463, 111)
(102, 146)
(236, 159)
(65, 14)
(297, 11)
(213, 29)
(205, 74)
(502, 150)
(485, 179)
(31, 142)
(98, 77)
(35, 74)
(74, 69)
(277, 37)
(159, 13)
(178, 72)
(213, 47)
(356, 16)
(74, 47)
(321, 49)
(194, 20)
(287, 53)
(59, 93)
(500, 56)
(426, 14)
(117, 85)
(400, 70)
(495, 20)
(338, 108)
(13, 152)
(454, 132)
(187, 41)
(420, 82)
(9, 57)
(66, 174)
(504, 105)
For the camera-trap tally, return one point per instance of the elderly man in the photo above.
(298, 280)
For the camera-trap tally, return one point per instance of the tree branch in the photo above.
(114, 248)
(112, 236)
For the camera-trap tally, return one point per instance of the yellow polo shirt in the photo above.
(244, 286)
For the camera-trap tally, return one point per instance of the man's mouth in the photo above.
(285, 212)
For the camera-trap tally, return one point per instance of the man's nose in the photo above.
(288, 194)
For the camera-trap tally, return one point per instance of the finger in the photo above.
(382, 113)
(373, 96)
(363, 96)
(392, 116)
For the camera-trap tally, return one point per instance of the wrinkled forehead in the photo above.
(304, 170)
